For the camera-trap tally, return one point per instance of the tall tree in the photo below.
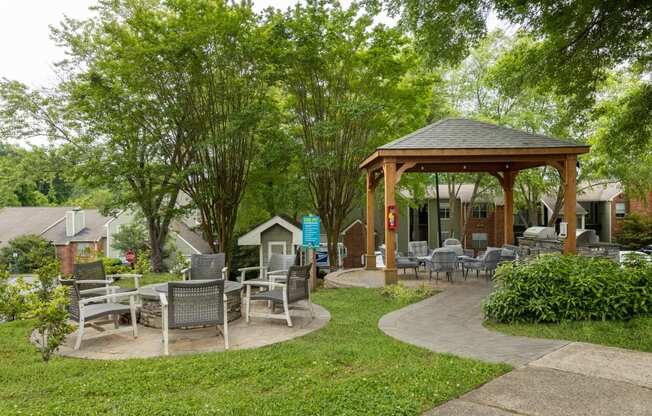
(343, 80)
(127, 80)
(232, 75)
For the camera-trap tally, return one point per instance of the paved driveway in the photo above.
(552, 378)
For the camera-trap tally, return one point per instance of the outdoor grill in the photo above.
(540, 233)
(584, 237)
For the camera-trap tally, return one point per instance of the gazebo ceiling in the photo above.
(461, 145)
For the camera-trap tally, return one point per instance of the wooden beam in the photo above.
(391, 277)
(570, 202)
(404, 167)
(508, 192)
(370, 258)
(501, 179)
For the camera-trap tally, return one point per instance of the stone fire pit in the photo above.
(150, 312)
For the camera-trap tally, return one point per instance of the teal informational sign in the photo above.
(310, 225)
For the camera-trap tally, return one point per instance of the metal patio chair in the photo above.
(190, 304)
(95, 282)
(486, 262)
(296, 288)
(442, 260)
(82, 309)
(206, 267)
(276, 269)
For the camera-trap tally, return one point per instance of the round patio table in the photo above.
(150, 312)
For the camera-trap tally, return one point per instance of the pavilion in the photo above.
(462, 145)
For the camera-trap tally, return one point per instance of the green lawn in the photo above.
(634, 335)
(348, 368)
(149, 278)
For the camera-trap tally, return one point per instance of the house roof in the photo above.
(17, 221)
(461, 133)
(549, 202)
(191, 237)
(252, 238)
(93, 229)
(599, 192)
(464, 194)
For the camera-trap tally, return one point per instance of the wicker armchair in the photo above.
(403, 262)
(83, 309)
(95, 282)
(442, 260)
(295, 289)
(206, 267)
(194, 304)
(487, 262)
(276, 268)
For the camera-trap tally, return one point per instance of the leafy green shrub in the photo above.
(554, 288)
(636, 232)
(180, 263)
(115, 266)
(407, 294)
(143, 264)
(48, 306)
(13, 297)
(31, 252)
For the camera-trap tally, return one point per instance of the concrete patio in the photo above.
(106, 343)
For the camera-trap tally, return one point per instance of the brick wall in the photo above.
(66, 254)
(489, 225)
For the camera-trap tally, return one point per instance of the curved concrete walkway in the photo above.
(451, 322)
(553, 378)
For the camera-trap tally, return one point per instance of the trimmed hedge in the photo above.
(554, 288)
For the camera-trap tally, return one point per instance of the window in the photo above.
(84, 249)
(444, 211)
(479, 210)
(479, 240)
(621, 210)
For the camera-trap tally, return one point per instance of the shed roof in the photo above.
(462, 133)
(252, 238)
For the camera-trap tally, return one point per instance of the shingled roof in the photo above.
(461, 133)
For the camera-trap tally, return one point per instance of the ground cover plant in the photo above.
(348, 367)
(635, 334)
(554, 288)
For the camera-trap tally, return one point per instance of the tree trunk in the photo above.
(156, 246)
(559, 202)
(333, 254)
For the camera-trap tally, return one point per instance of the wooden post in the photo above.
(391, 277)
(370, 258)
(570, 201)
(508, 192)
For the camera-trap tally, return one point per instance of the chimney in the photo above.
(75, 222)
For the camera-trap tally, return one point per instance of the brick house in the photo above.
(78, 232)
(599, 207)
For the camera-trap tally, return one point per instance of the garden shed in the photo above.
(279, 234)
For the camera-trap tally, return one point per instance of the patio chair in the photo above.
(403, 263)
(206, 267)
(95, 282)
(508, 253)
(295, 289)
(190, 304)
(419, 249)
(451, 242)
(82, 309)
(276, 269)
(442, 260)
(486, 262)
